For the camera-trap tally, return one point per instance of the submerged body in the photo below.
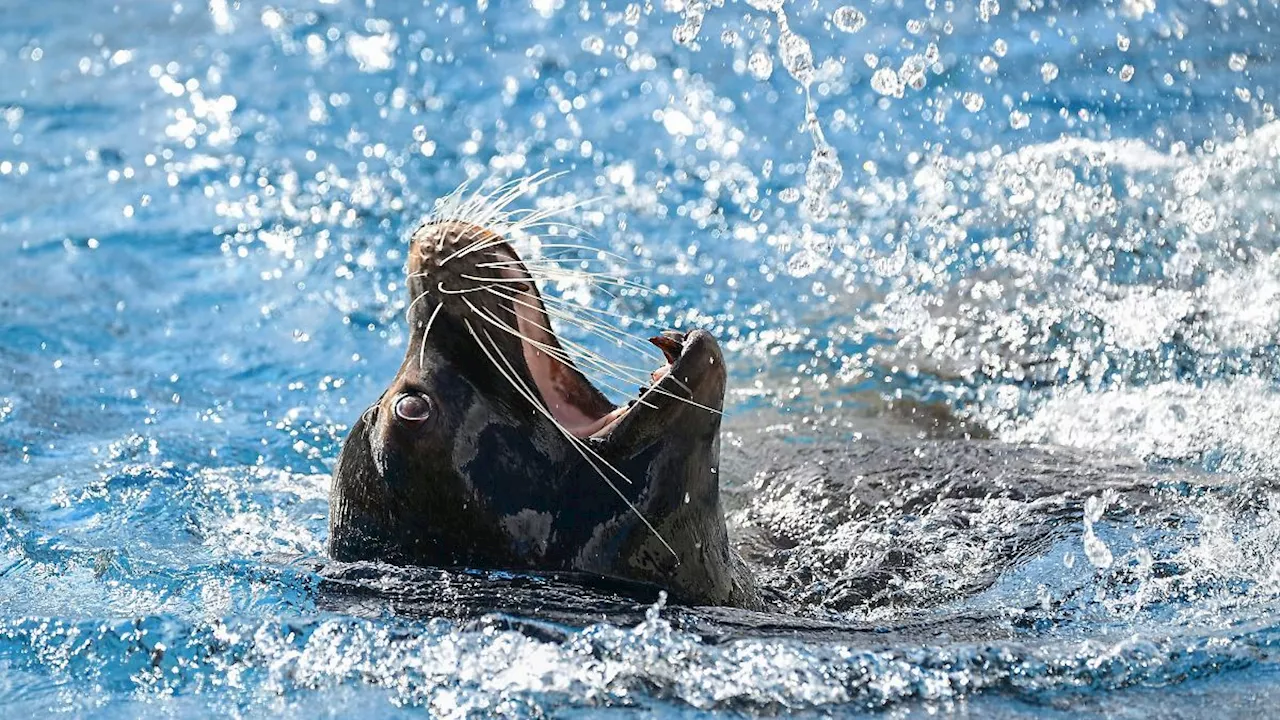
(490, 448)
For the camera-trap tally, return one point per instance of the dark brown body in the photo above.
(491, 479)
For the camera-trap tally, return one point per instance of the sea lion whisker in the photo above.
(586, 452)
(568, 311)
(516, 382)
(582, 323)
(611, 368)
(464, 291)
(474, 207)
(600, 362)
(597, 328)
(422, 347)
(520, 225)
(595, 279)
(569, 305)
(560, 355)
(655, 387)
(563, 356)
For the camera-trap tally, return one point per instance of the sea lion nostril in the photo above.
(413, 408)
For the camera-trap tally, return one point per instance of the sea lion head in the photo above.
(491, 448)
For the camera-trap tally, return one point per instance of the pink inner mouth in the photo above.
(562, 389)
(568, 395)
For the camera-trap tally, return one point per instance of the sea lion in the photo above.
(490, 448)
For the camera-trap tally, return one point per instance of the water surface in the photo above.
(998, 284)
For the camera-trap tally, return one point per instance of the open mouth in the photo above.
(501, 292)
(571, 398)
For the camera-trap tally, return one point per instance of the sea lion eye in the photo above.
(412, 407)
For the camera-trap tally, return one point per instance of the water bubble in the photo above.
(1237, 62)
(1126, 73)
(931, 54)
(914, 26)
(913, 71)
(1000, 47)
(972, 101)
(816, 207)
(632, 14)
(593, 44)
(988, 64)
(687, 31)
(1048, 72)
(1122, 42)
(804, 263)
(824, 171)
(1096, 551)
(789, 195)
(849, 19)
(1189, 181)
(871, 60)
(796, 56)
(987, 8)
(1136, 9)
(769, 6)
(729, 37)
(886, 82)
(760, 65)
(1019, 120)
(1201, 217)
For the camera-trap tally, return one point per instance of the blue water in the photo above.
(1054, 225)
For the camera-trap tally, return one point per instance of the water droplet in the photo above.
(999, 47)
(1238, 62)
(1019, 120)
(931, 54)
(804, 263)
(988, 64)
(789, 195)
(816, 207)
(760, 65)
(987, 8)
(729, 37)
(1202, 218)
(972, 101)
(796, 56)
(824, 171)
(1189, 182)
(686, 32)
(1126, 73)
(632, 14)
(1048, 72)
(1096, 551)
(886, 82)
(912, 72)
(1122, 42)
(593, 44)
(849, 19)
